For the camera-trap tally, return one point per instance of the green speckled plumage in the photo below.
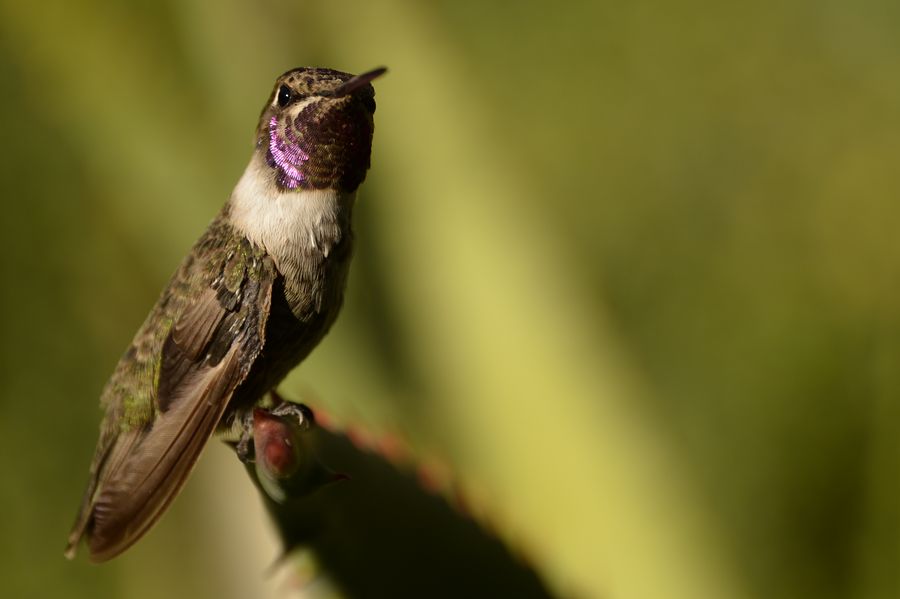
(222, 260)
(186, 361)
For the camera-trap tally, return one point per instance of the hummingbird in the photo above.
(257, 292)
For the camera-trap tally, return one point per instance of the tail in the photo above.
(87, 501)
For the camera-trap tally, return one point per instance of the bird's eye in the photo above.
(284, 96)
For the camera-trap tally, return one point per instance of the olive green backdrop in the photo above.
(629, 270)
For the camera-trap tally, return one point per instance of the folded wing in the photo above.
(216, 308)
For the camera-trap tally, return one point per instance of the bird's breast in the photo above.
(308, 235)
(306, 232)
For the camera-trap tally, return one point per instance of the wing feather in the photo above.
(210, 346)
(136, 493)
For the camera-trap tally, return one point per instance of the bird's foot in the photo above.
(240, 433)
(298, 411)
(244, 447)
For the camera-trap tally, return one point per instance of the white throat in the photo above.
(289, 223)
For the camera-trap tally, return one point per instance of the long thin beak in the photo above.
(350, 86)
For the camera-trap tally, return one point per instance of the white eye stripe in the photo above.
(297, 106)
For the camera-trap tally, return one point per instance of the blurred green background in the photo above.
(631, 270)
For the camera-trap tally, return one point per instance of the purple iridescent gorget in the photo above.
(286, 154)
